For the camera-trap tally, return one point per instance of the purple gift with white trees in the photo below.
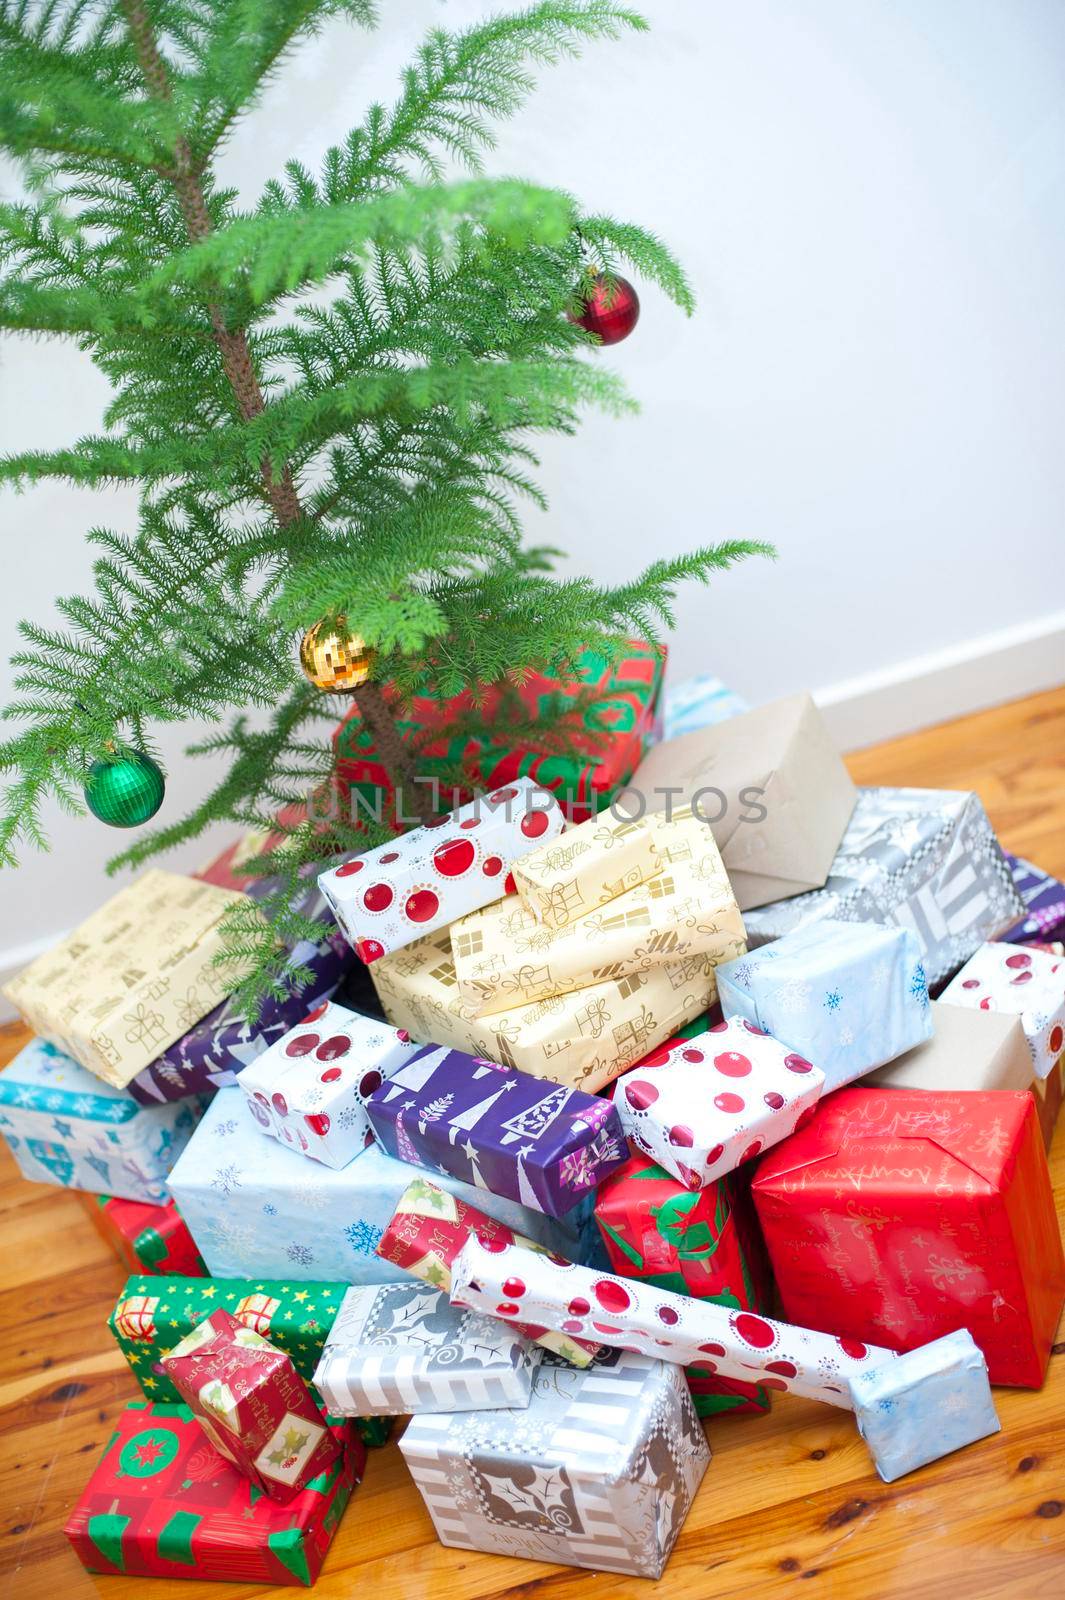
(539, 1143)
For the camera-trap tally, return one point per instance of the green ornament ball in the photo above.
(126, 792)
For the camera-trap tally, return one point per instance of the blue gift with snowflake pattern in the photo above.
(257, 1208)
(849, 996)
(926, 1404)
(66, 1126)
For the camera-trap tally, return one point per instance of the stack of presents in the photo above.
(646, 1117)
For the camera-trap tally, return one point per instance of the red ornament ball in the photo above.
(611, 308)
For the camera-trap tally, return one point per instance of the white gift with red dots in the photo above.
(508, 1281)
(308, 1089)
(702, 1106)
(1029, 984)
(423, 880)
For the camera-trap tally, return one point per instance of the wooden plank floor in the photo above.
(789, 1506)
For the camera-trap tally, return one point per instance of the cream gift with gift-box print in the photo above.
(599, 1471)
(400, 1348)
(504, 957)
(391, 896)
(131, 978)
(64, 1126)
(582, 1039)
(309, 1089)
(588, 867)
(1029, 984)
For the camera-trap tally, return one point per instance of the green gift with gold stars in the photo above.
(153, 1314)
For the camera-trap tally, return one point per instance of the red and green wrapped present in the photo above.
(686, 1241)
(613, 708)
(146, 1238)
(162, 1502)
(252, 1404)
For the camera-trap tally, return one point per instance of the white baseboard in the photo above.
(879, 705)
(932, 688)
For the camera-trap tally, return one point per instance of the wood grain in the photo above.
(789, 1506)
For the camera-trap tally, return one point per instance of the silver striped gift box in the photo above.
(399, 1348)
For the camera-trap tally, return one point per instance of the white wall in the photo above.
(868, 197)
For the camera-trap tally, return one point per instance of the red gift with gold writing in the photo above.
(897, 1216)
(252, 1404)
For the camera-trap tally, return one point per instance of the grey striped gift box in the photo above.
(400, 1348)
(599, 1471)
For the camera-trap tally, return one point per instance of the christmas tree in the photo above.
(327, 400)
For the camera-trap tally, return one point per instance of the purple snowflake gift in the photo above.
(539, 1143)
(1044, 903)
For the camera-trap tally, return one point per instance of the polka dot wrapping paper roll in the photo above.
(509, 1282)
(389, 897)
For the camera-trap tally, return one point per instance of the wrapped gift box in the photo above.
(924, 859)
(583, 1039)
(599, 1472)
(771, 784)
(1044, 903)
(586, 868)
(152, 1315)
(252, 1404)
(257, 1208)
(607, 708)
(65, 1126)
(649, 1320)
(686, 1241)
(698, 702)
(310, 1088)
(847, 995)
(132, 978)
(974, 1050)
(162, 1502)
(152, 1239)
(925, 1405)
(704, 1105)
(421, 881)
(426, 1233)
(542, 1145)
(211, 1054)
(900, 1215)
(505, 958)
(1029, 984)
(399, 1348)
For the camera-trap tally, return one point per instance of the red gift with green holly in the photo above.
(162, 1502)
(690, 1242)
(600, 723)
(146, 1238)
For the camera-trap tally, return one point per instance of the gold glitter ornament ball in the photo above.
(335, 659)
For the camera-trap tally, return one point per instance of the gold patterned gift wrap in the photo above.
(504, 957)
(585, 867)
(583, 1039)
(133, 977)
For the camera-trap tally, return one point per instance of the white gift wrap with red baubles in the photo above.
(1025, 983)
(308, 1089)
(424, 879)
(508, 1281)
(702, 1106)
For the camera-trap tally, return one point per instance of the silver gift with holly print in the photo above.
(403, 1347)
(600, 1471)
(923, 859)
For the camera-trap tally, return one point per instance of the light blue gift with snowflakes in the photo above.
(259, 1209)
(699, 702)
(66, 1126)
(928, 1403)
(849, 996)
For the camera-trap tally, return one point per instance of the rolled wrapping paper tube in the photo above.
(504, 1280)
(428, 1229)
